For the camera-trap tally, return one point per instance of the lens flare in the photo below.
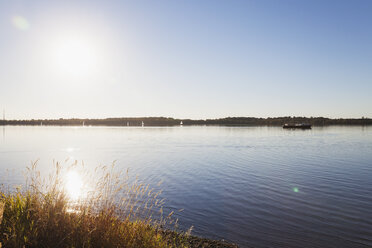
(20, 23)
(295, 189)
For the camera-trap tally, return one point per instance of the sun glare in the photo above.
(74, 185)
(75, 56)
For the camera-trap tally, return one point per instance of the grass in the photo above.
(116, 212)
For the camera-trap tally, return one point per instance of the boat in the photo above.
(300, 126)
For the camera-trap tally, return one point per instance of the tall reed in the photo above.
(111, 210)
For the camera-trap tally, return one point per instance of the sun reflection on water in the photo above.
(70, 149)
(74, 185)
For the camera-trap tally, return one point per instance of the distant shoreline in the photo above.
(165, 121)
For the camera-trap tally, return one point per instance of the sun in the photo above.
(75, 56)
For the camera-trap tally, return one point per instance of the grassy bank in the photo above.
(45, 214)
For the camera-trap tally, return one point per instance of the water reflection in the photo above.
(70, 149)
(256, 186)
(74, 185)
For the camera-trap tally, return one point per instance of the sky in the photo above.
(185, 59)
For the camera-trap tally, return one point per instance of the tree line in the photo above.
(166, 121)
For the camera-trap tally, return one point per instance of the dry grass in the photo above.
(43, 215)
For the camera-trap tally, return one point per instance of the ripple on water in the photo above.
(256, 186)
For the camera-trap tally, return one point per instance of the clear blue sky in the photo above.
(185, 59)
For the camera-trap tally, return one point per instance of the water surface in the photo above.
(256, 186)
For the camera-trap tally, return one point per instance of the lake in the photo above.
(255, 186)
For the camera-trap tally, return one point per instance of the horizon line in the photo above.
(198, 119)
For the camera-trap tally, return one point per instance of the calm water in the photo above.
(256, 186)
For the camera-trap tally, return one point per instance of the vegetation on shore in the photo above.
(163, 121)
(45, 214)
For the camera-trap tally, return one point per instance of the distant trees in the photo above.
(166, 121)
